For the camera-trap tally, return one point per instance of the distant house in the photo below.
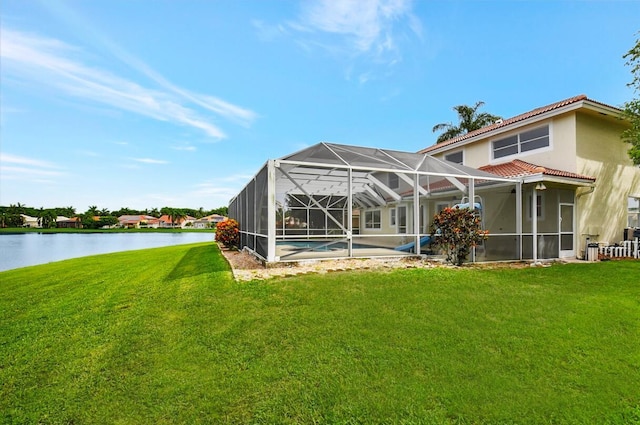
(138, 221)
(208, 221)
(166, 222)
(28, 221)
(69, 223)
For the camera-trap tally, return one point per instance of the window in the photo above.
(526, 141)
(372, 219)
(539, 206)
(394, 182)
(402, 219)
(633, 212)
(392, 217)
(441, 206)
(454, 157)
(537, 138)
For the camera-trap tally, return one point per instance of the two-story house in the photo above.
(576, 174)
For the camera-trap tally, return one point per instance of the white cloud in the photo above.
(15, 159)
(187, 148)
(14, 167)
(150, 160)
(27, 171)
(267, 32)
(50, 62)
(367, 26)
(221, 189)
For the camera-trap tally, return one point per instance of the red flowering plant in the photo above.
(456, 231)
(228, 232)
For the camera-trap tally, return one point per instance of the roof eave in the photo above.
(585, 103)
(545, 178)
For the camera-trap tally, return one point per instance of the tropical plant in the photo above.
(93, 210)
(228, 232)
(177, 215)
(108, 220)
(88, 221)
(65, 211)
(631, 109)
(47, 218)
(470, 120)
(12, 220)
(456, 231)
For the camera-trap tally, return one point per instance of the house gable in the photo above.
(534, 116)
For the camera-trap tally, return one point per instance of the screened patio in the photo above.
(339, 201)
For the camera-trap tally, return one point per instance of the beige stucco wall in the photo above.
(601, 153)
(477, 154)
(562, 151)
(385, 220)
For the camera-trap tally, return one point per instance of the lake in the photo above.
(30, 249)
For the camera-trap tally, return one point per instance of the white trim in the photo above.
(572, 252)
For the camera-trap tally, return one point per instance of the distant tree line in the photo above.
(94, 217)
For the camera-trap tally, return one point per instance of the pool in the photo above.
(319, 245)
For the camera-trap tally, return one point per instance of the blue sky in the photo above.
(146, 104)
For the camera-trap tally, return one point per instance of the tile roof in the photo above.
(167, 219)
(136, 218)
(512, 120)
(519, 168)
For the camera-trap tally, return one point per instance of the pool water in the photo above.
(320, 245)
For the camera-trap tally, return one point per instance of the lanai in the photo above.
(334, 201)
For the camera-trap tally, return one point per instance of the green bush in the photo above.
(228, 233)
(456, 231)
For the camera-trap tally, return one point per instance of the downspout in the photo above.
(578, 196)
(591, 189)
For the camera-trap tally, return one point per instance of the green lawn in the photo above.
(166, 336)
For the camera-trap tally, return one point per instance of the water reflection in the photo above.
(29, 249)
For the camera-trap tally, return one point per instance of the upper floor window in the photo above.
(522, 142)
(394, 181)
(454, 157)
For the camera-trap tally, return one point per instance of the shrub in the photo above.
(456, 231)
(228, 233)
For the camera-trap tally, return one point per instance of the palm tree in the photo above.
(46, 218)
(176, 216)
(92, 211)
(40, 216)
(470, 120)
